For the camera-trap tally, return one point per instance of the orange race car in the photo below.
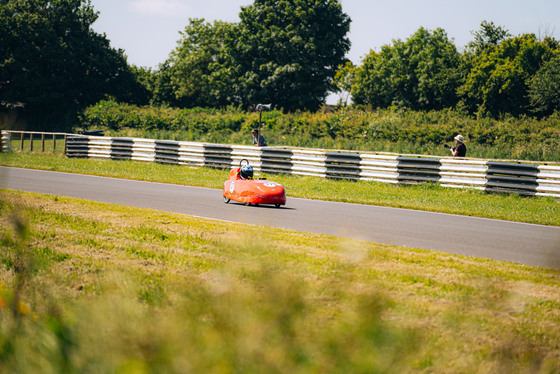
(241, 187)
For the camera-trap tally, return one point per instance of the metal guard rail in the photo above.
(496, 176)
(527, 178)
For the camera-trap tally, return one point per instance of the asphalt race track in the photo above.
(500, 240)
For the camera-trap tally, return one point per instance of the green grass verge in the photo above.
(92, 287)
(429, 197)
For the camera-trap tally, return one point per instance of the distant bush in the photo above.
(388, 130)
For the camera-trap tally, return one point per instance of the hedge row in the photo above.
(394, 130)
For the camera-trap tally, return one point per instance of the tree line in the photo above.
(497, 74)
(292, 53)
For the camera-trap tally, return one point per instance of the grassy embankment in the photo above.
(540, 210)
(91, 287)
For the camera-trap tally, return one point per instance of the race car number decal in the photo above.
(268, 184)
(231, 187)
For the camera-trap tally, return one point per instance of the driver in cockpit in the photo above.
(246, 172)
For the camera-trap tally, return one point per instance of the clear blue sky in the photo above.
(149, 29)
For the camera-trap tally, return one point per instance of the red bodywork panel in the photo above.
(253, 191)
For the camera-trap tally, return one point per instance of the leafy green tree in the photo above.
(488, 37)
(140, 86)
(286, 52)
(54, 64)
(498, 82)
(421, 73)
(202, 70)
(544, 87)
(372, 84)
(162, 89)
(290, 50)
(343, 79)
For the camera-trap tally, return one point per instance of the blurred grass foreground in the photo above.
(98, 288)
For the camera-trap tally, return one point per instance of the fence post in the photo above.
(21, 134)
(65, 145)
(54, 143)
(42, 142)
(31, 141)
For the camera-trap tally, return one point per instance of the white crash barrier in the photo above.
(5, 142)
(528, 178)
